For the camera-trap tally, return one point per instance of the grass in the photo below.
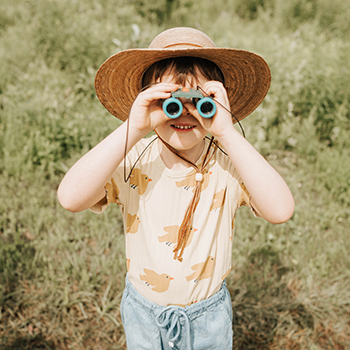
(62, 274)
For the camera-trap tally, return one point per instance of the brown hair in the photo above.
(182, 68)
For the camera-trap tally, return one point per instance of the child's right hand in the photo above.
(146, 113)
(83, 185)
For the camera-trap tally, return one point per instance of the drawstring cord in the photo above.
(171, 315)
(185, 228)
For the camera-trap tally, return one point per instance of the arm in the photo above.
(83, 185)
(270, 195)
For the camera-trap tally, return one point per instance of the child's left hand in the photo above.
(270, 195)
(220, 124)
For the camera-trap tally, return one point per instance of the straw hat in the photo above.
(247, 75)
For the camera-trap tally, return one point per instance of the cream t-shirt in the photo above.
(153, 204)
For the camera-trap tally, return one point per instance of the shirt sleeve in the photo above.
(245, 199)
(112, 195)
(116, 188)
(100, 206)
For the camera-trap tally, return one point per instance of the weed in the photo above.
(62, 274)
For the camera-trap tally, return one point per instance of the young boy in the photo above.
(180, 199)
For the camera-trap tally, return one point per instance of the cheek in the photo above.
(163, 129)
(201, 130)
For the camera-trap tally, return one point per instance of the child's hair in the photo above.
(183, 68)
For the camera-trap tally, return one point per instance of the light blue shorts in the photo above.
(200, 326)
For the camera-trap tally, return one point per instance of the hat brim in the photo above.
(247, 77)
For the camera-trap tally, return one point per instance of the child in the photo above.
(183, 189)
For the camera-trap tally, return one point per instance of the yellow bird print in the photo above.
(138, 180)
(112, 191)
(219, 199)
(202, 270)
(127, 265)
(190, 181)
(172, 235)
(160, 283)
(132, 223)
(232, 227)
(226, 274)
(244, 198)
(184, 305)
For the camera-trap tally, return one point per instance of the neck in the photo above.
(174, 162)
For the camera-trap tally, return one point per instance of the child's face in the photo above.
(185, 132)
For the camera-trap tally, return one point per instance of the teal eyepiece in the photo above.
(206, 107)
(172, 107)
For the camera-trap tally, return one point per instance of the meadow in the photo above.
(62, 274)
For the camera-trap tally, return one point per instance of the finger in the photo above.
(218, 92)
(155, 96)
(159, 91)
(218, 84)
(168, 87)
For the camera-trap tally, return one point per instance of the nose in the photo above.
(183, 101)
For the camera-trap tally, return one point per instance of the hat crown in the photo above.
(181, 38)
(119, 79)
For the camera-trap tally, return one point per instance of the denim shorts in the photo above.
(204, 325)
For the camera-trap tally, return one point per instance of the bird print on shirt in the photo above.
(226, 274)
(172, 235)
(232, 227)
(139, 181)
(244, 198)
(127, 265)
(112, 192)
(219, 199)
(202, 270)
(190, 181)
(132, 223)
(160, 283)
(188, 304)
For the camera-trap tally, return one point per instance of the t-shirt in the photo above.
(153, 203)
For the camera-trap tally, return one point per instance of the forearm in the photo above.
(83, 185)
(270, 195)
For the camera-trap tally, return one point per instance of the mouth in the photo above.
(183, 127)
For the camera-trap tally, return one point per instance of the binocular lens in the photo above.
(206, 108)
(172, 108)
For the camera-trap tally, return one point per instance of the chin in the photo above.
(182, 144)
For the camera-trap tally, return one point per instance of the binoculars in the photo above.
(172, 107)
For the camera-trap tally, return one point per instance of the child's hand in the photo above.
(220, 124)
(146, 113)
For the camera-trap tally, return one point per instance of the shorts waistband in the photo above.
(191, 310)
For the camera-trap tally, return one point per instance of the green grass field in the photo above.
(62, 274)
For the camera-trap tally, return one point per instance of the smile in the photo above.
(183, 127)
